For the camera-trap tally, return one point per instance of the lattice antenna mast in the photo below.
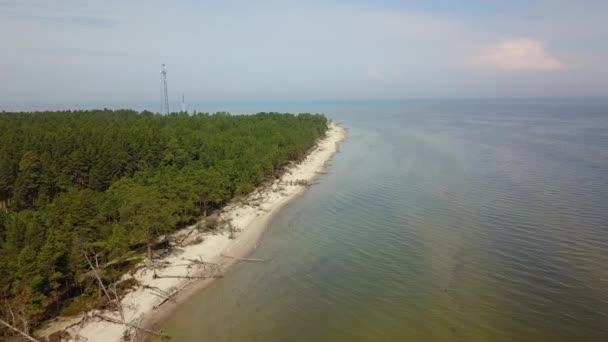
(164, 96)
(183, 104)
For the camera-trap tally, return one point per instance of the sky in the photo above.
(69, 51)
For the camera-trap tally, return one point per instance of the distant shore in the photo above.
(249, 217)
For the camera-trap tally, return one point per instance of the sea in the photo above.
(438, 220)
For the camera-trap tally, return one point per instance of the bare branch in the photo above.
(30, 338)
(172, 295)
(109, 319)
(189, 277)
(96, 273)
(122, 314)
(11, 312)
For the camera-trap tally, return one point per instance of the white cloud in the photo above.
(518, 54)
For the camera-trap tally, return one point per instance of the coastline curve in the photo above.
(251, 217)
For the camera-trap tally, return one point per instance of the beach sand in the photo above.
(250, 217)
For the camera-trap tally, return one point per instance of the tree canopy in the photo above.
(111, 182)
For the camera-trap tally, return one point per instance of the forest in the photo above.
(106, 184)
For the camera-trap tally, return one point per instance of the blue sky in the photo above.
(66, 51)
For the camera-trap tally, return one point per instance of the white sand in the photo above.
(139, 305)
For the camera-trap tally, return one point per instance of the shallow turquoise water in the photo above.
(437, 221)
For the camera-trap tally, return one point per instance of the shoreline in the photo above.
(251, 217)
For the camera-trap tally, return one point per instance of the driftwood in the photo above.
(213, 270)
(81, 321)
(159, 291)
(187, 265)
(169, 297)
(209, 268)
(112, 320)
(180, 241)
(241, 259)
(200, 261)
(28, 337)
(157, 294)
(188, 277)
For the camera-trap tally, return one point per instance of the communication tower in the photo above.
(164, 96)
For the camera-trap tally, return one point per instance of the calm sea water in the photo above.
(438, 221)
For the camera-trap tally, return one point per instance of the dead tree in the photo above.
(112, 320)
(208, 267)
(118, 303)
(210, 270)
(95, 271)
(170, 296)
(116, 299)
(18, 331)
(188, 276)
(18, 320)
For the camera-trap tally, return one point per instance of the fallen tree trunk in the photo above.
(241, 259)
(161, 292)
(22, 333)
(169, 297)
(188, 277)
(112, 320)
(180, 241)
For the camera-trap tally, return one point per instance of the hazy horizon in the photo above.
(237, 106)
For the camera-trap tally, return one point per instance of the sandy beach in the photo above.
(147, 305)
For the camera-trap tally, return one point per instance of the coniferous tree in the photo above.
(107, 184)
